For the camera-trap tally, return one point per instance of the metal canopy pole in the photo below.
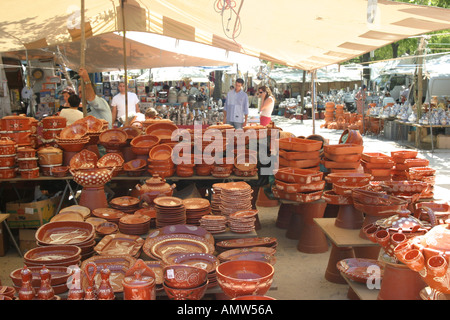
(313, 100)
(83, 59)
(122, 3)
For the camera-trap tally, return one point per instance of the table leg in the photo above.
(12, 238)
(332, 273)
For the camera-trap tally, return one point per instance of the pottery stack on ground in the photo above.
(235, 196)
(399, 172)
(214, 223)
(379, 165)
(329, 112)
(340, 157)
(424, 174)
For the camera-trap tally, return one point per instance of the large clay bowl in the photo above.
(142, 144)
(162, 130)
(245, 277)
(131, 131)
(184, 276)
(65, 233)
(113, 138)
(136, 164)
(196, 293)
(73, 131)
(160, 152)
(92, 178)
(93, 124)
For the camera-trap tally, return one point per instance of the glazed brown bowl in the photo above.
(142, 144)
(244, 277)
(136, 164)
(73, 131)
(184, 276)
(60, 171)
(160, 152)
(196, 293)
(52, 254)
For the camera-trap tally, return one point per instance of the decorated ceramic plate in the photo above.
(119, 244)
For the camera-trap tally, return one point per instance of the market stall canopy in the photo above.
(105, 53)
(302, 34)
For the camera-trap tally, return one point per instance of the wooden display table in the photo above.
(345, 243)
(361, 289)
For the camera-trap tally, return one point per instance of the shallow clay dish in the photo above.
(298, 175)
(341, 149)
(298, 144)
(119, 244)
(67, 216)
(73, 131)
(357, 269)
(162, 130)
(65, 232)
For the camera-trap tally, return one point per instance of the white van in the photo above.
(435, 86)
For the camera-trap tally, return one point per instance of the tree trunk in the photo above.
(395, 46)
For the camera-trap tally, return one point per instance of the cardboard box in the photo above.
(443, 141)
(31, 214)
(27, 239)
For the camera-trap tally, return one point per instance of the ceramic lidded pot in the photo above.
(50, 156)
(429, 255)
(139, 287)
(154, 187)
(7, 146)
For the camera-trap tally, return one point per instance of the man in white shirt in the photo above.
(118, 104)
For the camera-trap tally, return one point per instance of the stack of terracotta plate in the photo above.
(235, 196)
(136, 224)
(169, 211)
(299, 153)
(424, 174)
(214, 223)
(149, 212)
(241, 243)
(379, 165)
(84, 211)
(344, 156)
(399, 172)
(215, 198)
(125, 204)
(242, 221)
(109, 214)
(196, 208)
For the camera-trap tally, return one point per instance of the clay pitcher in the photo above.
(76, 291)
(45, 291)
(105, 290)
(91, 291)
(26, 291)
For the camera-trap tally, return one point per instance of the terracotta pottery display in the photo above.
(7, 146)
(428, 254)
(196, 293)
(142, 144)
(154, 187)
(245, 277)
(184, 276)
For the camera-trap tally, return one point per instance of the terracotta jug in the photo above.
(45, 291)
(154, 187)
(105, 290)
(91, 291)
(26, 291)
(76, 291)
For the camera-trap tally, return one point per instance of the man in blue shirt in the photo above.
(236, 106)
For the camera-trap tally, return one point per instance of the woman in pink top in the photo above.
(267, 105)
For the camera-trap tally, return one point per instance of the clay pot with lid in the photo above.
(15, 123)
(50, 156)
(154, 187)
(429, 255)
(54, 122)
(139, 287)
(7, 146)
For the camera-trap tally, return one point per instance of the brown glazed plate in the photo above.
(358, 269)
(247, 242)
(119, 244)
(65, 232)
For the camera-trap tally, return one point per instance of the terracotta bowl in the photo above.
(106, 228)
(184, 276)
(134, 165)
(196, 293)
(131, 131)
(52, 254)
(113, 138)
(163, 130)
(60, 171)
(45, 235)
(92, 123)
(203, 170)
(143, 143)
(73, 131)
(95, 177)
(110, 160)
(83, 159)
(160, 152)
(245, 277)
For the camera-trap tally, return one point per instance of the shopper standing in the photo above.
(360, 98)
(72, 113)
(236, 106)
(267, 105)
(118, 104)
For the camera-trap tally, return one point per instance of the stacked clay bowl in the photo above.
(58, 281)
(113, 139)
(242, 221)
(113, 161)
(54, 255)
(94, 128)
(134, 224)
(223, 167)
(185, 282)
(27, 162)
(399, 172)
(142, 144)
(196, 208)
(345, 156)
(75, 233)
(379, 165)
(163, 130)
(214, 223)
(424, 174)
(73, 138)
(408, 190)
(301, 185)
(160, 161)
(125, 204)
(135, 168)
(245, 165)
(8, 155)
(169, 211)
(299, 153)
(344, 182)
(245, 277)
(215, 198)
(329, 112)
